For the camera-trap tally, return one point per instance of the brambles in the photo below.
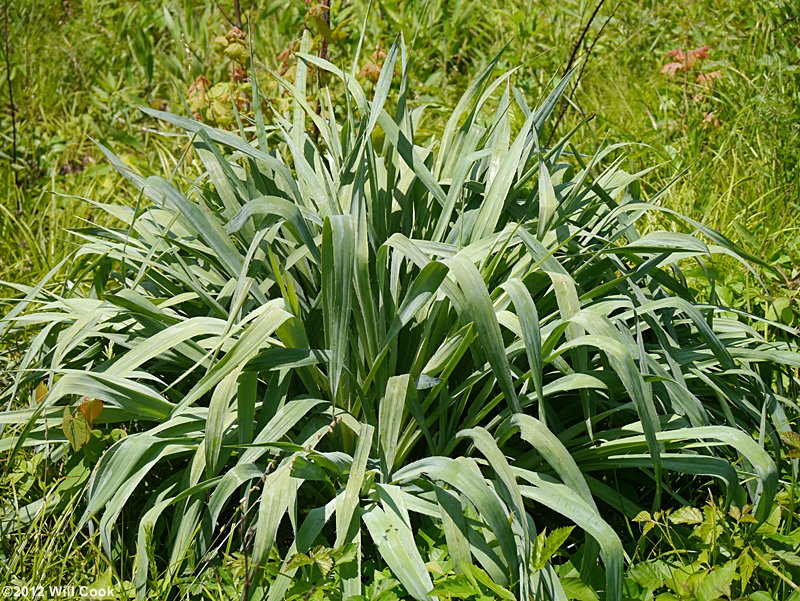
(716, 552)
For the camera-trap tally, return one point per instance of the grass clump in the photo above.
(338, 344)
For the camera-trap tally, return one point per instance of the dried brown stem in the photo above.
(326, 17)
(11, 105)
(236, 21)
(571, 62)
(237, 12)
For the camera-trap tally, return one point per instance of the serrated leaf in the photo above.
(686, 515)
(323, 558)
(578, 590)
(642, 516)
(548, 544)
(455, 586)
(298, 560)
(716, 583)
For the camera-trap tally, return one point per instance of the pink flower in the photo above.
(672, 68)
(684, 60)
(678, 54)
(699, 54)
(707, 79)
(710, 119)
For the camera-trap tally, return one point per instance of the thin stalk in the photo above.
(237, 11)
(577, 45)
(563, 108)
(326, 18)
(236, 21)
(11, 105)
(323, 54)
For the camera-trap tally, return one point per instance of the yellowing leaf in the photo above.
(791, 439)
(642, 516)
(91, 409)
(41, 391)
(76, 428)
(238, 52)
(323, 557)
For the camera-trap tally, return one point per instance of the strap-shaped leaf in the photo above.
(480, 311)
(346, 506)
(395, 542)
(338, 255)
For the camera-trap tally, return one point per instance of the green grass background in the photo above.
(78, 70)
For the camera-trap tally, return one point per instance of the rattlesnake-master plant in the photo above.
(355, 336)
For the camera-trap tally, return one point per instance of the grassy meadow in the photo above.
(401, 299)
